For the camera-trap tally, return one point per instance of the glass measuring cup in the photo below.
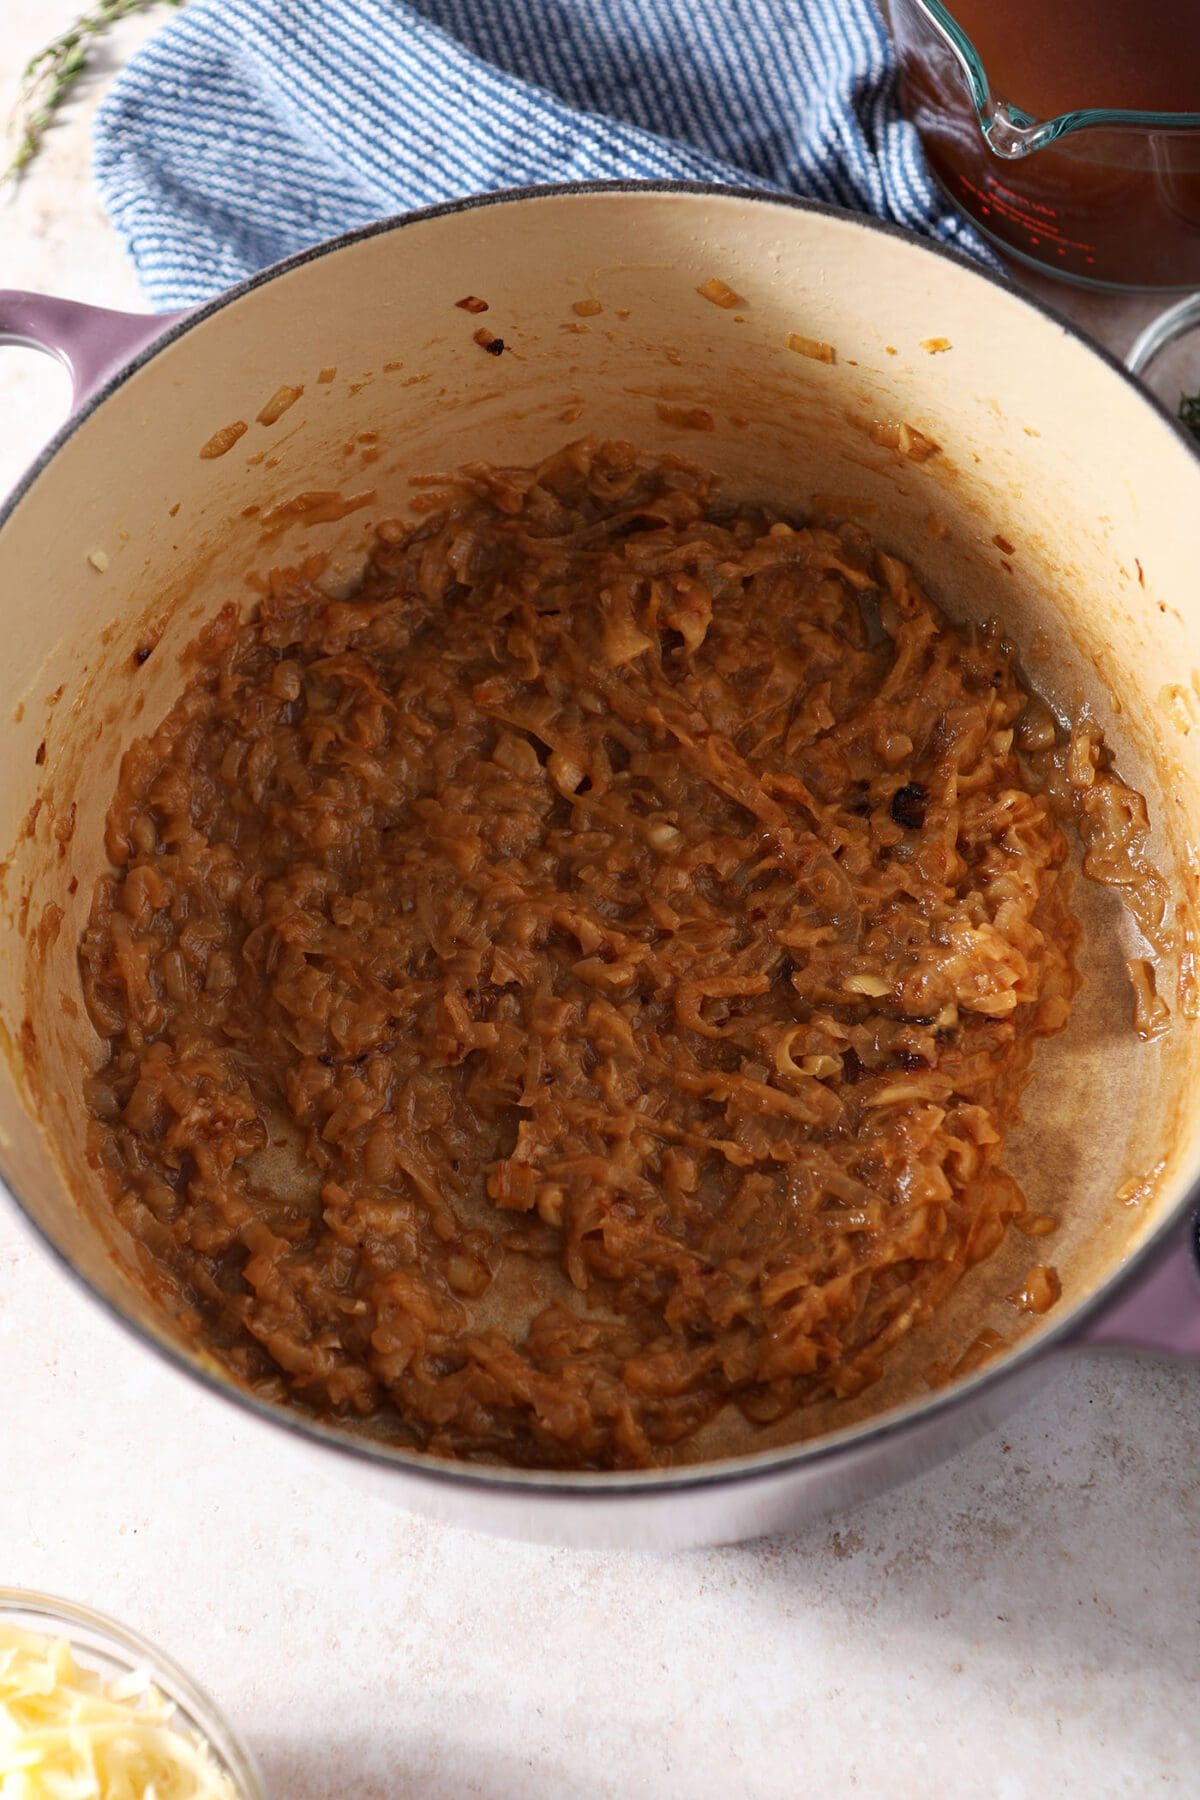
(1107, 194)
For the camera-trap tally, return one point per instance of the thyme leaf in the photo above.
(49, 77)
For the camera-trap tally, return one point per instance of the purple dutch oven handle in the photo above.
(90, 341)
(1159, 1309)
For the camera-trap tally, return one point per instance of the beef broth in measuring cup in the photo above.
(1069, 130)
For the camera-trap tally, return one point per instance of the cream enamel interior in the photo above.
(1040, 443)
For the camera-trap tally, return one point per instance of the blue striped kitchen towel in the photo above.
(248, 129)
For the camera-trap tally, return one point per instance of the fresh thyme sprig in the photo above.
(49, 77)
(1189, 413)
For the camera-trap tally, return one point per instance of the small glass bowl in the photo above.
(112, 1651)
(1166, 355)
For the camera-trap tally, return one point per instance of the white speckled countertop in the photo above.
(1023, 1621)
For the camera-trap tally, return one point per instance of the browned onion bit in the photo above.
(908, 806)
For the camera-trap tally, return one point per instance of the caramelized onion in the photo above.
(583, 979)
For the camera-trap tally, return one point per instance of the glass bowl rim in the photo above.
(1164, 330)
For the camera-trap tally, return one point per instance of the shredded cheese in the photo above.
(68, 1734)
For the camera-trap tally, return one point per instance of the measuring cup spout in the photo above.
(1010, 133)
